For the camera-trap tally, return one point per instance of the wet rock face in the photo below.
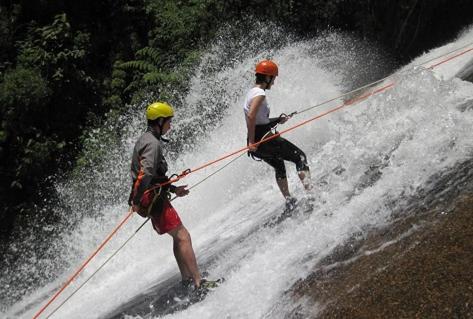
(418, 267)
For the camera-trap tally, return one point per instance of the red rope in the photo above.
(450, 58)
(130, 212)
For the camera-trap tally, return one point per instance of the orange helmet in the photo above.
(267, 67)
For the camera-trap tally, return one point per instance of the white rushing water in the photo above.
(409, 133)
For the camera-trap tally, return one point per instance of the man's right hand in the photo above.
(252, 147)
(181, 191)
(135, 208)
(283, 118)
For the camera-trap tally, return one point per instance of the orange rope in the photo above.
(130, 212)
(189, 171)
(450, 58)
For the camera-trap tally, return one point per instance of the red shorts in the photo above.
(167, 220)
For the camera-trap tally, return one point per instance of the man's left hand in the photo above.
(181, 191)
(135, 208)
(283, 119)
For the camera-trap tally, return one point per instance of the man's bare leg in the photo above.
(304, 176)
(184, 254)
(283, 187)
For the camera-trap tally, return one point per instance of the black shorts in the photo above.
(277, 150)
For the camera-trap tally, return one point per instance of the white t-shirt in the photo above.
(262, 117)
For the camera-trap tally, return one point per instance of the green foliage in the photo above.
(143, 71)
(56, 50)
(149, 54)
(182, 26)
(36, 154)
(38, 105)
(8, 24)
(23, 98)
(117, 84)
(22, 93)
(147, 71)
(142, 66)
(118, 80)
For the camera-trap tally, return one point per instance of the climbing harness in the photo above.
(271, 129)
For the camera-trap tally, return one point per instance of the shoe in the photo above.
(187, 282)
(187, 286)
(291, 203)
(205, 287)
(210, 284)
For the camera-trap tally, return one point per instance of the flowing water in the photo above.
(366, 160)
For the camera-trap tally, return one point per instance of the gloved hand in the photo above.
(181, 191)
(283, 118)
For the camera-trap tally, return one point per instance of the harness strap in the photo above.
(270, 132)
(157, 193)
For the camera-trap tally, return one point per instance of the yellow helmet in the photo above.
(158, 109)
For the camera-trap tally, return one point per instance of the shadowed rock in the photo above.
(420, 266)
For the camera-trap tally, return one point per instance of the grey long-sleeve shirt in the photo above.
(148, 165)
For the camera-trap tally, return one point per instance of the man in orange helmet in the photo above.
(259, 125)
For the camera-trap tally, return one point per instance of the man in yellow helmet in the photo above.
(148, 169)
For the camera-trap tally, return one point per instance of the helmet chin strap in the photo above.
(268, 83)
(160, 125)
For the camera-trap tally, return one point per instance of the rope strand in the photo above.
(389, 76)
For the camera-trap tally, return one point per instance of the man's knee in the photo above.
(302, 167)
(301, 164)
(180, 234)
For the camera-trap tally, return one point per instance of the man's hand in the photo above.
(283, 118)
(135, 208)
(181, 191)
(251, 147)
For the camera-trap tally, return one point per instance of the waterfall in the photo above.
(366, 160)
